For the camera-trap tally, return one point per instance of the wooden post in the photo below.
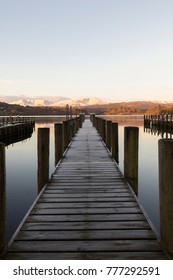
(158, 117)
(58, 141)
(115, 142)
(43, 157)
(2, 198)
(162, 120)
(131, 135)
(67, 112)
(100, 127)
(65, 138)
(71, 112)
(75, 125)
(70, 129)
(92, 118)
(166, 123)
(80, 120)
(108, 134)
(171, 122)
(166, 192)
(104, 130)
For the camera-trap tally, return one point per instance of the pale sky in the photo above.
(111, 49)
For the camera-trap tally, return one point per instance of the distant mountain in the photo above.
(80, 102)
(88, 105)
(51, 101)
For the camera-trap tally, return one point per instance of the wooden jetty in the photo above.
(86, 211)
(14, 129)
(163, 121)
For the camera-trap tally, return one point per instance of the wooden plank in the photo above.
(86, 225)
(138, 255)
(86, 218)
(90, 195)
(74, 199)
(85, 179)
(85, 245)
(95, 189)
(92, 185)
(46, 205)
(87, 234)
(83, 211)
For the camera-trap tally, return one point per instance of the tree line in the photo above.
(126, 108)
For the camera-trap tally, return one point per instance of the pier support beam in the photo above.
(43, 157)
(131, 136)
(166, 192)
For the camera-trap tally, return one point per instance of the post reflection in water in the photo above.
(3, 211)
(2, 198)
(163, 133)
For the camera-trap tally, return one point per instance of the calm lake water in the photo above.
(21, 164)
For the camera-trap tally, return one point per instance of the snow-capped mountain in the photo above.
(53, 101)
(80, 102)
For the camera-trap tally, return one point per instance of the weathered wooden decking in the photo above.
(86, 211)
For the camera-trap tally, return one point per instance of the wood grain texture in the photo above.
(86, 211)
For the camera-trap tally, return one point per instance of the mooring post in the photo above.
(131, 139)
(158, 122)
(65, 136)
(108, 134)
(2, 197)
(58, 141)
(166, 192)
(71, 112)
(80, 120)
(71, 133)
(162, 120)
(75, 125)
(72, 128)
(96, 123)
(67, 112)
(104, 130)
(92, 118)
(115, 142)
(43, 157)
(167, 120)
(100, 127)
(171, 122)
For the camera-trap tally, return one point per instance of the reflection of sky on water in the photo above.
(148, 175)
(21, 180)
(148, 192)
(21, 163)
